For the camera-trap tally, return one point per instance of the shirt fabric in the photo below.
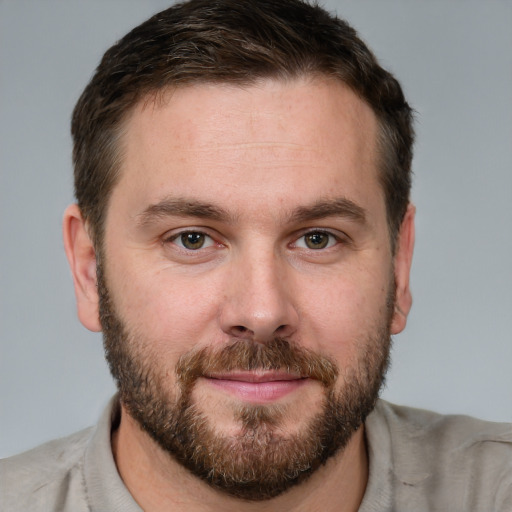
(419, 461)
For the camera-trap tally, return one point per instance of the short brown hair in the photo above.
(240, 42)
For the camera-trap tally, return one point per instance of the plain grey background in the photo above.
(454, 59)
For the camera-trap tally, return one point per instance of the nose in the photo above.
(259, 304)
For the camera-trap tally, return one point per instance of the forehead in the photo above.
(273, 141)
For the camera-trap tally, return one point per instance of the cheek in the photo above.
(346, 312)
(168, 306)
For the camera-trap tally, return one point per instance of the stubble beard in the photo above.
(261, 461)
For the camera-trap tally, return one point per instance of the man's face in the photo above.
(247, 277)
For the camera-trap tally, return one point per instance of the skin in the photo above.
(261, 155)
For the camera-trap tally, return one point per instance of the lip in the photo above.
(257, 386)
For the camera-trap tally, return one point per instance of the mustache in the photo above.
(248, 355)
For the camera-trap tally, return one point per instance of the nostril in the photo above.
(240, 329)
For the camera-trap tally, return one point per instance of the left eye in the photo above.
(316, 240)
(193, 240)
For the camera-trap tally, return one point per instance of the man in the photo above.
(243, 238)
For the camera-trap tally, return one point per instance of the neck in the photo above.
(158, 483)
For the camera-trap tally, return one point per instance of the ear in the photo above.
(403, 261)
(82, 260)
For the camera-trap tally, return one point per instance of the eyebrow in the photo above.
(339, 207)
(177, 207)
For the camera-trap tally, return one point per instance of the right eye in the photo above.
(192, 240)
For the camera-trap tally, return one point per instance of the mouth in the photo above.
(258, 387)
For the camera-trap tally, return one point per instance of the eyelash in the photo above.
(331, 242)
(181, 234)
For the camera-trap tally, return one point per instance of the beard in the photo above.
(261, 460)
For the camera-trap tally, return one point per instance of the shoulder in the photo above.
(454, 432)
(456, 428)
(454, 459)
(43, 478)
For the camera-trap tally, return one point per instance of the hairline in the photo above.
(160, 95)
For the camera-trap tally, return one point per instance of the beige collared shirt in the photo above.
(419, 461)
